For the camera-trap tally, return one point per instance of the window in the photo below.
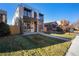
(35, 15)
(27, 12)
(40, 17)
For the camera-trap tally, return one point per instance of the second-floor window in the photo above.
(27, 13)
(40, 17)
(35, 15)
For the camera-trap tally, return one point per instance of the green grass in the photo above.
(32, 45)
(70, 36)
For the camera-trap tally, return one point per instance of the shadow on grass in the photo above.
(18, 42)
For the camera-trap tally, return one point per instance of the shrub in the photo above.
(60, 30)
(4, 29)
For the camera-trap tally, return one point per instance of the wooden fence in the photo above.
(14, 30)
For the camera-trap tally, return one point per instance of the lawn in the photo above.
(32, 45)
(66, 35)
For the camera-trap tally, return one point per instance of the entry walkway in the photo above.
(61, 38)
(74, 48)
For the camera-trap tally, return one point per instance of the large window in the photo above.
(35, 15)
(40, 17)
(27, 12)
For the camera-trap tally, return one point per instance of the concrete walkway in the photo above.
(74, 48)
(46, 35)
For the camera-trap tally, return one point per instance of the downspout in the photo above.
(21, 26)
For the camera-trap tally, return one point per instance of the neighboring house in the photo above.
(51, 26)
(76, 24)
(65, 25)
(3, 16)
(28, 19)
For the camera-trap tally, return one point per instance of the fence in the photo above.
(14, 30)
(45, 29)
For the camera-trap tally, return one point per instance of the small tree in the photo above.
(65, 25)
(4, 29)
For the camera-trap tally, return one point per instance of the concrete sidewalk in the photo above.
(74, 48)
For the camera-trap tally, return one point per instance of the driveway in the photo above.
(74, 48)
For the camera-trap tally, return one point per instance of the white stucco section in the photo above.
(18, 14)
(21, 11)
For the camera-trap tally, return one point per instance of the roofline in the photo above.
(33, 9)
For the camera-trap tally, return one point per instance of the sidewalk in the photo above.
(74, 48)
(61, 38)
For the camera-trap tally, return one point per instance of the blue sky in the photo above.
(51, 11)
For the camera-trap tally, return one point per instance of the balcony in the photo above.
(27, 18)
(28, 15)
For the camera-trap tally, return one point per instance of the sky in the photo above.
(52, 11)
